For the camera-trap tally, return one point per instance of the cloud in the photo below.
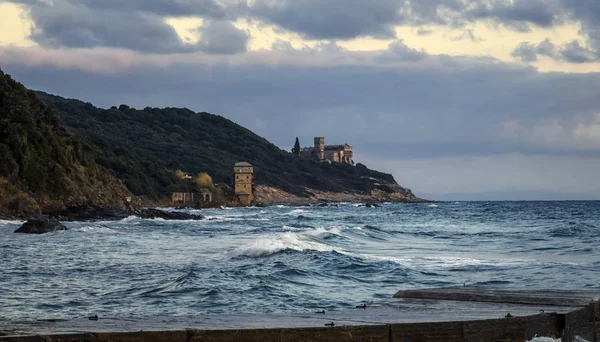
(526, 52)
(221, 37)
(518, 14)
(334, 19)
(62, 23)
(136, 25)
(571, 52)
(398, 51)
(587, 12)
(162, 8)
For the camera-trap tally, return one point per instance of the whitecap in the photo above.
(15, 222)
(433, 206)
(322, 233)
(296, 212)
(129, 218)
(544, 339)
(442, 262)
(95, 229)
(266, 246)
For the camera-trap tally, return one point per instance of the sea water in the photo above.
(293, 259)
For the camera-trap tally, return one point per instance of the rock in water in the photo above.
(167, 215)
(40, 224)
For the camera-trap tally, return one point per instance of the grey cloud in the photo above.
(546, 48)
(175, 8)
(348, 19)
(529, 52)
(312, 19)
(322, 48)
(334, 19)
(65, 24)
(518, 14)
(526, 52)
(571, 52)
(398, 51)
(138, 25)
(221, 37)
(587, 12)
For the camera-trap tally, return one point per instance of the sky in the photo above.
(459, 100)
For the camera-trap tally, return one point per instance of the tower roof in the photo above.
(242, 164)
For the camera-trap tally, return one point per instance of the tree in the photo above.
(204, 180)
(180, 174)
(296, 149)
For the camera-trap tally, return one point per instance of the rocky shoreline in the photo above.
(265, 195)
(47, 223)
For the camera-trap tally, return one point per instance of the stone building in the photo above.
(332, 153)
(203, 196)
(244, 182)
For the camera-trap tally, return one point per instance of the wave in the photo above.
(170, 286)
(7, 222)
(215, 218)
(443, 262)
(323, 233)
(95, 229)
(433, 206)
(288, 241)
(296, 212)
(130, 218)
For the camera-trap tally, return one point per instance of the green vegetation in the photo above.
(204, 180)
(296, 149)
(145, 148)
(42, 166)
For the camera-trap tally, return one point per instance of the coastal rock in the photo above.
(89, 213)
(40, 224)
(166, 215)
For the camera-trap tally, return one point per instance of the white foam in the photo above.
(544, 339)
(441, 262)
(285, 241)
(95, 229)
(297, 212)
(215, 218)
(160, 219)
(3, 222)
(129, 218)
(433, 206)
(322, 233)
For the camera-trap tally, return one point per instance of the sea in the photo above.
(284, 259)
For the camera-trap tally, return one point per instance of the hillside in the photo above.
(145, 147)
(43, 167)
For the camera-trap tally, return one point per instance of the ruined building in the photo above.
(332, 153)
(244, 182)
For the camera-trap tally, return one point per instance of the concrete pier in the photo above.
(449, 314)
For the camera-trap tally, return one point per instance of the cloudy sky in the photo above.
(459, 99)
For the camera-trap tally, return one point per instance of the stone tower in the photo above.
(244, 182)
(320, 148)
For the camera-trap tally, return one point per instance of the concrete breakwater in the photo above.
(494, 315)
